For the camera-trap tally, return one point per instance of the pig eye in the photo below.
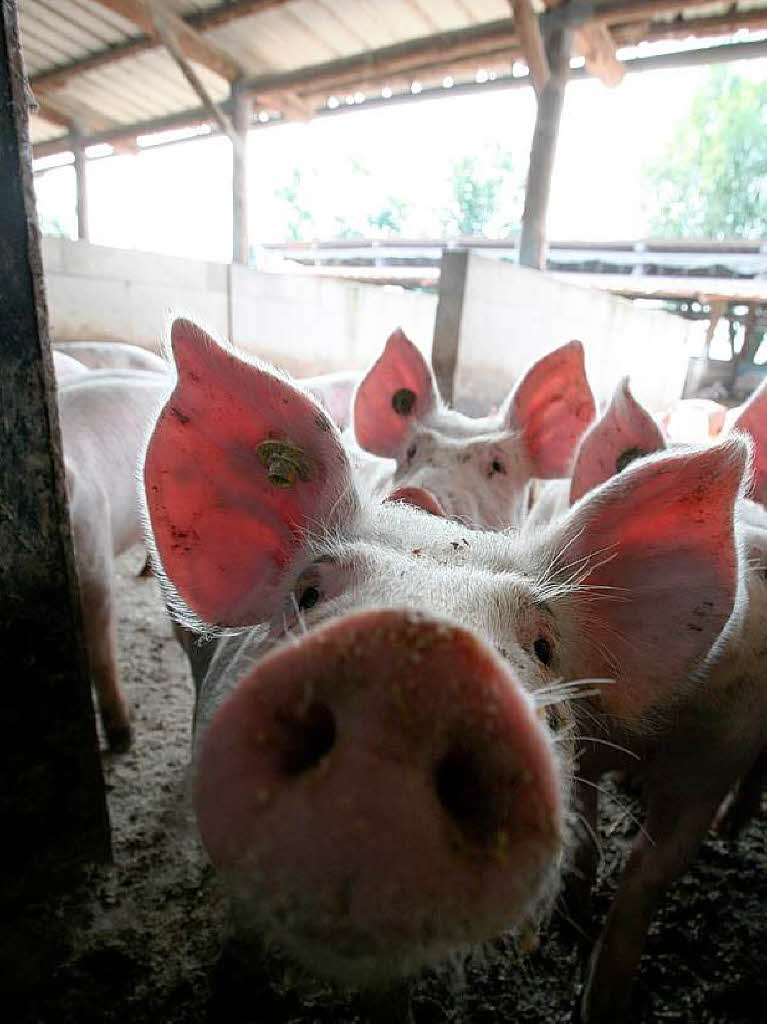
(496, 466)
(543, 650)
(411, 451)
(308, 599)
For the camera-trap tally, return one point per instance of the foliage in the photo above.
(711, 181)
(300, 221)
(480, 203)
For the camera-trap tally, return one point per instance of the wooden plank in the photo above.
(52, 800)
(190, 42)
(530, 39)
(597, 46)
(447, 324)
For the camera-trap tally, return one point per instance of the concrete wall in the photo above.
(512, 315)
(302, 323)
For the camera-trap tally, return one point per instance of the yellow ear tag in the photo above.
(284, 462)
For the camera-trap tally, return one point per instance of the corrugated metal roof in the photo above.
(95, 69)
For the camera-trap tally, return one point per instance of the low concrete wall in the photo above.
(302, 323)
(511, 316)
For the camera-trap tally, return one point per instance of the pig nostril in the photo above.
(306, 738)
(465, 794)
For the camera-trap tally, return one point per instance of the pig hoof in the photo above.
(119, 738)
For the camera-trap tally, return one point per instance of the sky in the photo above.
(177, 199)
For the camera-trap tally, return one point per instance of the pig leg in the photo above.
(746, 801)
(575, 905)
(676, 824)
(89, 510)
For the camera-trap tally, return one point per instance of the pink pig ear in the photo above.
(653, 560)
(624, 432)
(418, 497)
(239, 465)
(552, 405)
(752, 420)
(397, 390)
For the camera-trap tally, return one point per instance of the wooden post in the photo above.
(52, 801)
(82, 191)
(447, 324)
(532, 246)
(241, 107)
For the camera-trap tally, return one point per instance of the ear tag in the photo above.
(627, 457)
(402, 401)
(284, 462)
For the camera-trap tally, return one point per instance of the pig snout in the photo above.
(380, 793)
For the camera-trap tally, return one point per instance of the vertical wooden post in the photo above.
(82, 191)
(241, 107)
(52, 801)
(447, 324)
(532, 246)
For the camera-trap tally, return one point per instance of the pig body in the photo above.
(66, 367)
(478, 470)
(371, 626)
(104, 417)
(334, 392)
(112, 355)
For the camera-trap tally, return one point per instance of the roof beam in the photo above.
(530, 38)
(190, 43)
(595, 43)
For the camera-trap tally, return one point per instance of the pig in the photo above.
(477, 469)
(751, 419)
(103, 417)
(387, 726)
(66, 368)
(334, 392)
(112, 355)
(694, 421)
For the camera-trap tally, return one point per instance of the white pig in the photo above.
(112, 355)
(477, 469)
(354, 743)
(104, 417)
(66, 368)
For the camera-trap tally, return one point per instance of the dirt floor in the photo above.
(146, 939)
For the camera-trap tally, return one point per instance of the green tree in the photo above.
(301, 219)
(480, 203)
(391, 217)
(711, 181)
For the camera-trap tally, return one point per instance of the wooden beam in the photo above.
(189, 118)
(241, 113)
(289, 103)
(52, 800)
(190, 42)
(594, 42)
(532, 244)
(447, 323)
(531, 41)
(163, 26)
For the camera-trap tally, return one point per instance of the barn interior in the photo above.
(111, 907)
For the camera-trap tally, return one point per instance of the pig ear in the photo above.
(398, 390)
(418, 497)
(552, 405)
(652, 560)
(624, 432)
(752, 420)
(239, 466)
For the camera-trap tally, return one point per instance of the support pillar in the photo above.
(52, 801)
(82, 191)
(241, 107)
(532, 246)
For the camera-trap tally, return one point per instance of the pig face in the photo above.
(478, 469)
(383, 760)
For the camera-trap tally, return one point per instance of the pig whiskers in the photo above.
(299, 615)
(562, 690)
(621, 806)
(607, 743)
